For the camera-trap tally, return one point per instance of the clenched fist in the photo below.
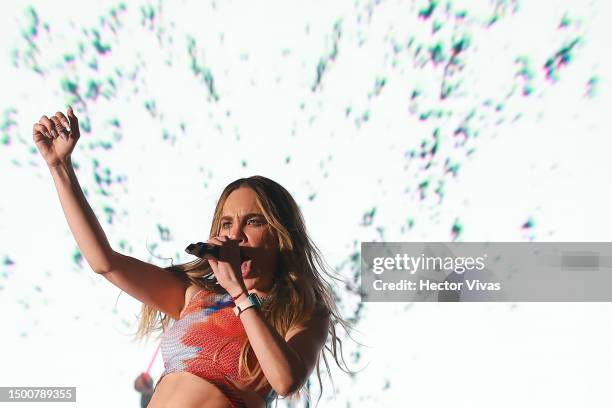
(55, 137)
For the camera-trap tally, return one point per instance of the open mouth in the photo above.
(245, 267)
(245, 263)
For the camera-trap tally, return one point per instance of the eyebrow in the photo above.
(229, 217)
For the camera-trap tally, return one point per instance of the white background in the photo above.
(542, 156)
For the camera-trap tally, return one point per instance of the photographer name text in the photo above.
(429, 285)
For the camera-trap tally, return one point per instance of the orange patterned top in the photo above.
(202, 330)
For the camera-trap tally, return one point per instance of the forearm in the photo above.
(280, 364)
(81, 219)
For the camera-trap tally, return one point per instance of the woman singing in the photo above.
(247, 325)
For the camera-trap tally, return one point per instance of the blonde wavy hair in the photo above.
(299, 290)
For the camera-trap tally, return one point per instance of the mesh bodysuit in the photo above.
(203, 329)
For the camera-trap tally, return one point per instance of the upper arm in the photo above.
(307, 340)
(152, 285)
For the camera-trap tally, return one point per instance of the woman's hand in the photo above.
(55, 137)
(227, 267)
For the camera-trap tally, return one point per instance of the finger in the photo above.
(41, 130)
(59, 126)
(215, 240)
(61, 130)
(233, 238)
(63, 120)
(213, 264)
(228, 238)
(54, 126)
(74, 121)
(46, 122)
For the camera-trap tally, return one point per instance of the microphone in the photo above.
(203, 250)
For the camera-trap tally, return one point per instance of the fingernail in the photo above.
(53, 132)
(66, 125)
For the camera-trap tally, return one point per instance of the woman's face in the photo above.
(242, 219)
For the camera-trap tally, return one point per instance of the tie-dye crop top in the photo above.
(205, 327)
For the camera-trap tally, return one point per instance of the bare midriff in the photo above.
(186, 390)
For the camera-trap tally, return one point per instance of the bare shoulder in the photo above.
(320, 316)
(189, 293)
(317, 324)
(321, 312)
(308, 338)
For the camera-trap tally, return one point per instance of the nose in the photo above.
(237, 232)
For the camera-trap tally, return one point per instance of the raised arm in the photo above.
(81, 219)
(55, 138)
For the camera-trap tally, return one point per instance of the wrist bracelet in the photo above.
(251, 301)
(246, 308)
(237, 296)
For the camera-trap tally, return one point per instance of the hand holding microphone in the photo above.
(226, 260)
